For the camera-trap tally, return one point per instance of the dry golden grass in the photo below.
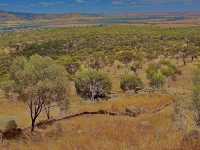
(13, 110)
(148, 131)
(107, 132)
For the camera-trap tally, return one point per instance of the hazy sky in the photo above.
(96, 6)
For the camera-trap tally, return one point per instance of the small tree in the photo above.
(131, 82)
(155, 76)
(92, 84)
(39, 82)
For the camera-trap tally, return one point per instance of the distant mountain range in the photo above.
(13, 16)
(12, 21)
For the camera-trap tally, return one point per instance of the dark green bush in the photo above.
(48, 48)
(92, 84)
(11, 125)
(131, 82)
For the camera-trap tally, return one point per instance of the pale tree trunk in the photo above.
(47, 111)
(93, 93)
(93, 90)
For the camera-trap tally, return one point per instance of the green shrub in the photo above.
(152, 68)
(167, 68)
(11, 125)
(92, 84)
(131, 82)
(157, 80)
(157, 73)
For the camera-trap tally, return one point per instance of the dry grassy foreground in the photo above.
(151, 130)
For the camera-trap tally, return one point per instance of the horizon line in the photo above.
(105, 13)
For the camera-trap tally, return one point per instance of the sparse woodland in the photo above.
(83, 70)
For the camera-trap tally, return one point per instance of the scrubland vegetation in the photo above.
(109, 87)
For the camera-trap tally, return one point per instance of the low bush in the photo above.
(157, 80)
(157, 75)
(131, 82)
(92, 84)
(167, 68)
(11, 125)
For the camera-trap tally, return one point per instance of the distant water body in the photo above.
(20, 28)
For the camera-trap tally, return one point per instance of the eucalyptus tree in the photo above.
(39, 81)
(92, 84)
